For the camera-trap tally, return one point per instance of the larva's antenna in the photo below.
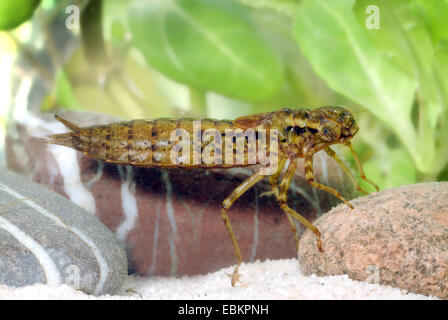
(361, 111)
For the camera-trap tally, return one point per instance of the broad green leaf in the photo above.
(342, 53)
(397, 23)
(15, 12)
(435, 15)
(404, 37)
(303, 88)
(208, 44)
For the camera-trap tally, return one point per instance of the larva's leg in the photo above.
(226, 204)
(309, 176)
(359, 165)
(282, 199)
(333, 154)
(273, 180)
(274, 184)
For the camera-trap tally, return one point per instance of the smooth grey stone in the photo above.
(48, 239)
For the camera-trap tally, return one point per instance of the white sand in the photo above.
(279, 279)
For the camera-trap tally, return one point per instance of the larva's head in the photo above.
(335, 124)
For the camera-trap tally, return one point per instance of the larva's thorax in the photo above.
(301, 130)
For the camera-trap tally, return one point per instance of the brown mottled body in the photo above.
(145, 143)
(301, 133)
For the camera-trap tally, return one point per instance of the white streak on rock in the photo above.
(46, 262)
(102, 263)
(152, 268)
(98, 175)
(128, 203)
(66, 159)
(170, 213)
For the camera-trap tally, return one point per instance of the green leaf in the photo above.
(396, 22)
(434, 13)
(208, 44)
(14, 12)
(343, 54)
(404, 37)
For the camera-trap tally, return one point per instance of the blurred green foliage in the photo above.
(210, 45)
(14, 13)
(386, 60)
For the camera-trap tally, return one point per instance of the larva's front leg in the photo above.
(359, 165)
(333, 154)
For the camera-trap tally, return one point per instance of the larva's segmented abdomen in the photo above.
(123, 142)
(141, 142)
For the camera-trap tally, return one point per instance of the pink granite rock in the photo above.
(170, 220)
(397, 237)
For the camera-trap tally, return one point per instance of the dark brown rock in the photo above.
(170, 220)
(397, 237)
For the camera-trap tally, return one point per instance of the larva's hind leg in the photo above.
(282, 199)
(309, 176)
(226, 204)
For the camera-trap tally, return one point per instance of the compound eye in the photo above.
(329, 131)
(346, 131)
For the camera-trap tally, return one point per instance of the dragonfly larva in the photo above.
(208, 143)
